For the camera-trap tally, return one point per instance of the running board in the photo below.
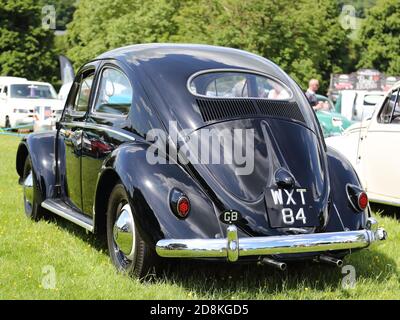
(63, 210)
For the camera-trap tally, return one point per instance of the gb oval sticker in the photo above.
(230, 216)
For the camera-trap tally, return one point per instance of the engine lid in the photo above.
(272, 160)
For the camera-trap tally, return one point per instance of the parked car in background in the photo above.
(293, 199)
(332, 123)
(19, 99)
(4, 87)
(357, 105)
(45, 118)
(372, 146)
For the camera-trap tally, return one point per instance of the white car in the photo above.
(20, 98)
(358, 105)
(372, 147)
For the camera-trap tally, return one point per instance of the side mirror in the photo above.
(58, 125)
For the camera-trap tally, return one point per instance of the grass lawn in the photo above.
(83, 270)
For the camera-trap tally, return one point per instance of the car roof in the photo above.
(8, 80)
(32, 83)
(165, 69)
(395, 86)
(190, 58)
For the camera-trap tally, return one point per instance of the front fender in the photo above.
(41, 148)
(342, 173)
(149, 188)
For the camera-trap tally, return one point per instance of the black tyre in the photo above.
(128, 252)
(32, 195)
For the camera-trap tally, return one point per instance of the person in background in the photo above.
(313, 87)
(278, 92)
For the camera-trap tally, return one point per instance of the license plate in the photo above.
(290, 208)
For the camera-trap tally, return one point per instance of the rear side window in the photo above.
(238, 85)
(115, 93)
(82, 98)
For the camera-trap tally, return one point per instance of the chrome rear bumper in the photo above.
(232, 247)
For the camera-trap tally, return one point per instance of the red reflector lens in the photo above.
(183, 207)
(362, 200)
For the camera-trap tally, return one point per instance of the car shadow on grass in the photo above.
(99, 243)
(208, 279)
(386, 210)
(227, 280)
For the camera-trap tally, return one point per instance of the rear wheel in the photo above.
(32, 196)
(128, 252)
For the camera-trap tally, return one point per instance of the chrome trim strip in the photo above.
(273, 245)
(68, 216)
(98, 127)
(386, 202)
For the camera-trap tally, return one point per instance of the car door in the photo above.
(71, 129)
(107, 126)
(380, 154)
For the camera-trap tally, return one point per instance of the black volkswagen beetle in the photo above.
(274, 193)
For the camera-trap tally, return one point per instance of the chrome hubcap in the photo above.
(124, 232)
(28, 192)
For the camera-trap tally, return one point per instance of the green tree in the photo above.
(379, 41)
(25, 47)
(303, 37)
(103, 24)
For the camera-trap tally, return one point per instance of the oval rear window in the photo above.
(238, 85)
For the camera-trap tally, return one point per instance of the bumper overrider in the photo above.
(232, 247)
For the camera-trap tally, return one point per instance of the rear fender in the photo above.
(342, 173)
(149, 187)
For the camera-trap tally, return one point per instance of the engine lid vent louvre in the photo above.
(225, 109)
(221, 109)
(282, 109)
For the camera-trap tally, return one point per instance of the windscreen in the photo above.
(31, 91)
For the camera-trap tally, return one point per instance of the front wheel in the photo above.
(128, 252)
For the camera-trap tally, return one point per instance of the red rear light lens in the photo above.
(357, 197)
(179, 203)
(362, 200)
(183, 207)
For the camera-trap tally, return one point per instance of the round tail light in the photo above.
(362, 200)
(357, 197)
(183, 206)
(179, 203)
